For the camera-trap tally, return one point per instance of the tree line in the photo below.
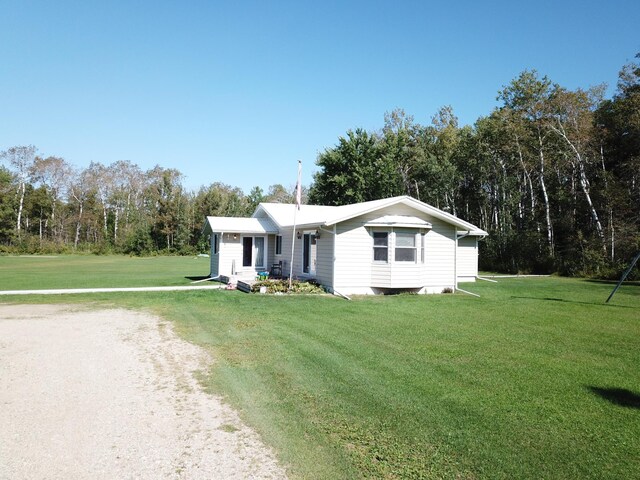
(553, 174)
(49, 206)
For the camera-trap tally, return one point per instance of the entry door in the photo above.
(253, 252)
(309, 254)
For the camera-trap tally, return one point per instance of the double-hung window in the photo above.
(405, 250)
(381, 247)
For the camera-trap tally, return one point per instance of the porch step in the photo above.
(245, 285)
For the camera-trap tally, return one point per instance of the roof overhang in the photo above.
(407, 221)
(239, 225)
(416, 204)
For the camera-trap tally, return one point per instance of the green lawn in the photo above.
(535, 379)
(33, 272)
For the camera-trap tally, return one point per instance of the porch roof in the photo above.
(239, 225)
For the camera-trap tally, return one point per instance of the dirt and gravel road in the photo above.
(112, 394)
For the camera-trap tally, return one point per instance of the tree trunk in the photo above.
(115, 226)
(584, 184)
(545, 196)
(21, 190)
(78, 226)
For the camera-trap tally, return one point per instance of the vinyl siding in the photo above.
(440, 254)
(286, 253)
(324, 266)
(355, 269)
(467, 258)
(230, 251)
(271, 251)
(214, 259)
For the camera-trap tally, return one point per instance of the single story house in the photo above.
(393, 244)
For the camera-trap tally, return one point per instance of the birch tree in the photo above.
(571, 118)
(21, 160)
(527, 98)
(52, 173)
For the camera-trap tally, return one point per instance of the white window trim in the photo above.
(419, 246)
(373, 247)
(255, 251)
(414, 248)
(276, 245)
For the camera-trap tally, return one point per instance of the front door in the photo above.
(309, 254)
(253, 252)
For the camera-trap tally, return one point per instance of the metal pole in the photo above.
(293, 244)
(624, 276)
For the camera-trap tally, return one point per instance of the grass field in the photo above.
(535, 379)
(33, 272)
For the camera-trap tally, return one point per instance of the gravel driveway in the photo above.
(111, 394)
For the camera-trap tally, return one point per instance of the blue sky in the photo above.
(238, 92)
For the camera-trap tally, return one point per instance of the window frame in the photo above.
(278, 244)
(384, 248)
(254, 252)
(404, 248)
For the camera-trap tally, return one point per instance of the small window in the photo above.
(423, 241)
(216, 246)
(380, 247)
(278, 244)
(405, 247)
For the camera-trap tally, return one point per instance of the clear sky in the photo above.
(239, 91)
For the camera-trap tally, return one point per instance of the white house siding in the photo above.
(230, 251)
(381, 275)
(286, 250)
(214, 258)
(467, 259)
(353, 257)
(284, 255)
(324, 267)
(271, 251)
(440, 246)
(355, 271)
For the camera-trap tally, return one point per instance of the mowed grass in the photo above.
(538, 378)
(33, 272)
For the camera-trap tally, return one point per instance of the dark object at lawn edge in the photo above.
(624, 276)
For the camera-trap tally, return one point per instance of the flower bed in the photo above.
(282, 286)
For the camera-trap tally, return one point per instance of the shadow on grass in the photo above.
(618, 396)
(196, 278)
(563, 300)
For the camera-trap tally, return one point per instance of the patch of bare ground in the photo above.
(113, 394)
